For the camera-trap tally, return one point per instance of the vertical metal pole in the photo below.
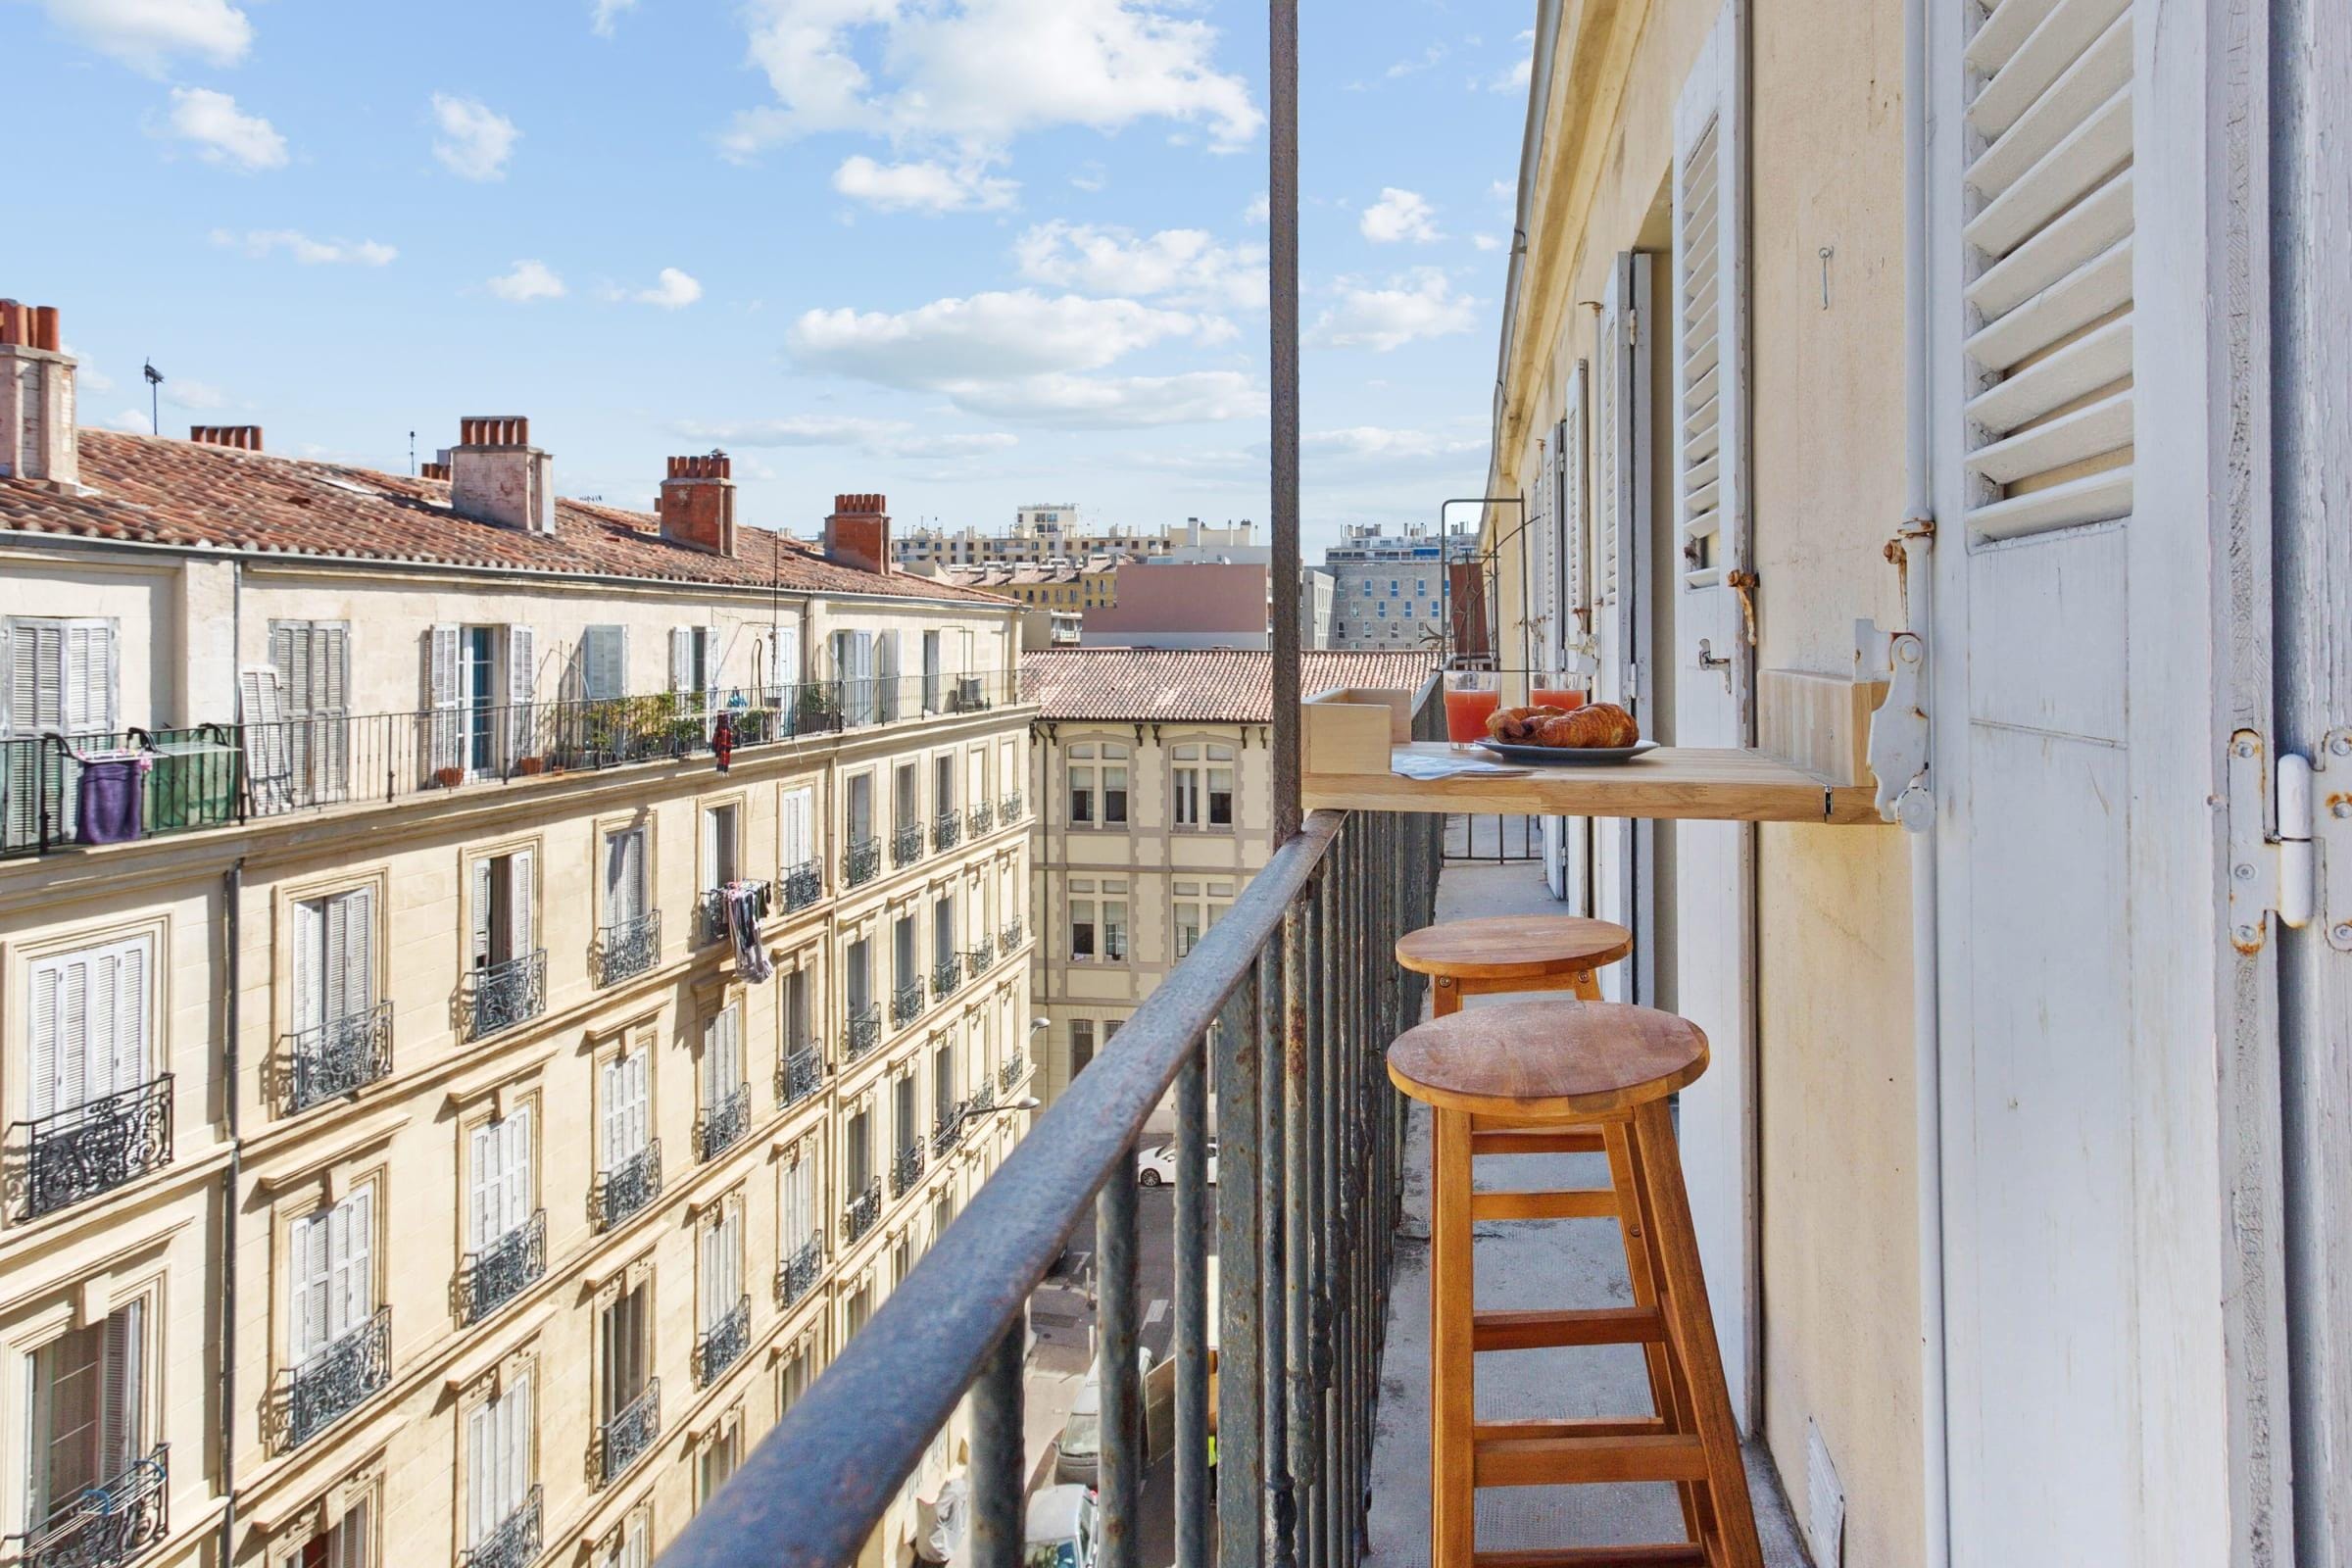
(1123, 1443)
(1298, 1232)
(1281, 282)
(998, 1479)
(1241, 1497)
(1194, 1504)
(1311, 1349)
(1273, 1279)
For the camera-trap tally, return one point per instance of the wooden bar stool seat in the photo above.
(1512, 953)
(1604, 1069)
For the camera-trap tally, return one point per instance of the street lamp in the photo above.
(1025, 1102)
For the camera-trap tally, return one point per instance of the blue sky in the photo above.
(971, 253)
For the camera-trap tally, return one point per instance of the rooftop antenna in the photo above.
(155, 380)
(411, 454)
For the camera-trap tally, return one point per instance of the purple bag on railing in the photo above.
(109, 803)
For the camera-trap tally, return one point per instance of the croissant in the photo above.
(1517, 726)
(1596, 724)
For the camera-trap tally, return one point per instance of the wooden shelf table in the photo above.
(1672, 782)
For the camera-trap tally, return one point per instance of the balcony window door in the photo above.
(931, 673)
(943, 784)
(624, 1337)
(721, 861)
(474, 671)
(717, 1462)
(60, 677)
(975, 778)
(797, 1205)
(626, 1093)
(909, 1129)
(858, 977)
(906, 798)
(632, 1550)
(334, 958)
(503, 923)
(722, 1056)
(796, 829)
(89, 1025)
(345, 1544)
(942, 931)
(694, 666)
(799, 1030)
(333, 1294)
(854, 675)
(603, 667)
(88, 1412)
(498, 1460)
(625, 900)
(312, 661)
(500, 1200)
(721, 1265)
(901, 947)
(857, 1152)
(944, 1097)
(858, 807)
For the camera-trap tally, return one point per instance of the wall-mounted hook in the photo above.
(1825, 252)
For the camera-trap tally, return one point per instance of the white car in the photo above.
(1156, 1167)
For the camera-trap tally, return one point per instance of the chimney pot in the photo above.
(696, 503)
(857, 534)
(38, 439)
(243, 437)
(497, 476)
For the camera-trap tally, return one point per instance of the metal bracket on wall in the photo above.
(2286, 825)
(1898, 727)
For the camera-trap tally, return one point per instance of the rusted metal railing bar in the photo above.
(1124, 1445)
(1194, 1502)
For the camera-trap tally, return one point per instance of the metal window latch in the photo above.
(1898, 727)
(2284, 822)
(1709, 658)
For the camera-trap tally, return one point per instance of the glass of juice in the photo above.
(1561, 698)
(1471, 698)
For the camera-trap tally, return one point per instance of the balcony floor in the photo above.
(1528, 1264)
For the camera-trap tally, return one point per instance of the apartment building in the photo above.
(1052, 534)
(1152, 789)
(456, 1111)
(1395, 590)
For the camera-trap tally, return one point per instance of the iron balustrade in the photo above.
(803, 885)
(907, 1003)
(1010, 808)
(980, 818)
(629, 1187)
(862, 862)
(948, 1131)
(722, 1125)
(946, 975)
(505, 1269)
(339, 1379)
(981, 956)
(627, 949)
(797, 1274)
(711, 911)
(1011, 937)
(1294, 996)
(860, 1213)
(864, 1031)
(801, 1073)
(906, 1169)
(107, 1524)
(516, 1542)
(722, 1345)
(340, 1057)
(506, 994)
(906, 844)
(623, 1440)
(71, 1155)
(984, 1100)
(947, 830)
(1011, 1073)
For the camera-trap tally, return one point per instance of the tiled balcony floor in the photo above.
(1528, 1264)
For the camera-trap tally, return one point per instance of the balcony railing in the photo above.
(803, 885)
(711, 911)
(984, 1100)
(1294, 996)
(948, 1131)
(947, 830)
(906, 1169)
(1009, 808)
(1011, 937)
(1015, 1065)
(860, 1213)
(339, 1379)
(71, 1155)
(505, 994)
(628, 948)
(623, 1440)
(517, 1541)
(339, 1057)
(629, 1187)
(980, 818)
(862, 862)
(946, 975)
(907, 1003)
(799, 1074)
(722, 1345)
(105, 1526)
(906, 844)
(981, 956)
(505, 1269)
(864, 1031)
(722, 1125)
(797, 1274)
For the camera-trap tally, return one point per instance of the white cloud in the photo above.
(1371, 443)
(1399, 214)
(1185, 266)
(1420, 303)
(476, 141)
(1487, 242)
(88, 379)
(1260, 210)
(223, 132)
(672, 289)
(603, 13)
(262, 242)
(1516, 76)
(1091, 177)
(202, 396)
(886, 438)
(979, 72)
(923, 187)
(1094, 402)
(527, 280)
(133, 422)
(145, 34)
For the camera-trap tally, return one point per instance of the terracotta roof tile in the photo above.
(1227, 685)
(153, 490)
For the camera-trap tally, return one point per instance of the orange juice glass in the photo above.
(1471, 698)
(1549, 697)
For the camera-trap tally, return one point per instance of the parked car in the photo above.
(1157, 1166)
(1078, 1452)
(1059, 1530)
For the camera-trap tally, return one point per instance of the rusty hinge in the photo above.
(2284, 822)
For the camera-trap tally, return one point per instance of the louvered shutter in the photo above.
(1620, 481)
(615, 1112)
(444, 696)
(1576, 519)
(52, 982)
(347, 956)
(887, 676)
(306, 1242)
(522, 677)
(481, 1470)
(122, 1392)
(681, 659)
(481, 912)
(483, 1208)
(624, 876)
(523, 930)
(2050, 239)
(514, 1185)
(794, 826)
(607, 661)
(127, 1049)
(636, 1073)
(89, 678)
(351, 1281)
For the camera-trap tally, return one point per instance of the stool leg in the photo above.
(1690, 1334)
(1585, 984)
(1453, 1381)
(1444, 997)
(1665, 1396)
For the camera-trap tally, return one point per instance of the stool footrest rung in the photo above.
(1586, 1461)
(1545, 1329)
(1506, 1139)
(1659, 1554)
(1576, 1202)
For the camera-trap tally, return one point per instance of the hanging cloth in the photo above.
(741, 900)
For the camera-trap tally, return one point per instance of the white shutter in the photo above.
(444, 694)
(126, 1051)
(681, 659)
(347, 955)
(635, 1097)
(612, 1121)
(261, 695)
(1575, 514)
(307, 1251)
(516, 1184)
(481, 912)
(123, 1389)
(55, 984)
(523, 673)
(482, 1165)
(351, 1239)
(624, 876)
(795, 826)
(1709, 319)
(2049, 248)
(887, 674)
(522, 932)
(482, 1469)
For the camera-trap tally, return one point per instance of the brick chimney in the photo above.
(37, 439)
(244, 437)
(698, 503)
(497, 476)
(857, 534)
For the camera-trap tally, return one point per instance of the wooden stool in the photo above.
(1512, 953)
(1584, 1068)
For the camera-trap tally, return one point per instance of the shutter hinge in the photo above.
(1633, 326)
(1897, 748)
(2282, 823)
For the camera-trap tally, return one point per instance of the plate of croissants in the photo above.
(1582, 736)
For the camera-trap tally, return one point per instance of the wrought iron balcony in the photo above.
(980, 818)
(801, 1073)
(946, 975)
(865, 1031)
(906, 1169)
(339, 1057)
(1011, 937)
(629, 1187)
(948, 1131)
(1015, 1065)
(723, 1123)
(947, 830)
(1011, 809)
(711, 911)
(506, 994)
(803, 885)
(907, 845)
(907, 1003)
(984, 1101)
(628, 948)
(505, 1269)
(336, 1381)
(861, 1212)
(981, 956)
(722, 1345)
(108, 1525)
(622, 1441)
(797, 1274)
(95, 1148)
(862, 862)
(514, 1544)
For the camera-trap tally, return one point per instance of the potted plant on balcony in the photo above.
(449, 779)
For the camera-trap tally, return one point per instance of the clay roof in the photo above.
(154, 490)
(1227, 685)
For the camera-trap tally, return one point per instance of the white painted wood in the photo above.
(1621, 522)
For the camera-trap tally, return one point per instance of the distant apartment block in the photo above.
(1052, 534)
(1394, 590)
